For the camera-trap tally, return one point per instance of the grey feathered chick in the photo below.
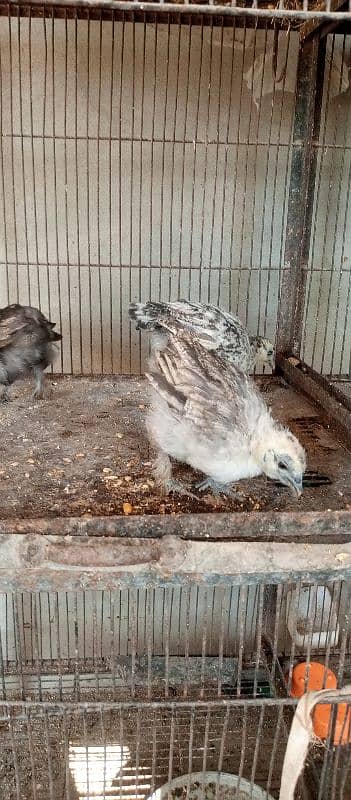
(26, 346)
(210, 415)
(215, 329)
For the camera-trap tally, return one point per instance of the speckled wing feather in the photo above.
(215, 329)
(199, 387)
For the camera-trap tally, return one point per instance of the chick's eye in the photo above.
(281, 465)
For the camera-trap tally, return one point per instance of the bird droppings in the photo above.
(89, 472)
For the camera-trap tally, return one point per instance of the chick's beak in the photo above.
(295, 483)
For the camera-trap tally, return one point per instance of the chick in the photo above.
(215, 329)
(210, 415)
(26, 346)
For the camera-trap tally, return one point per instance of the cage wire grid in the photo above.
(150, 153)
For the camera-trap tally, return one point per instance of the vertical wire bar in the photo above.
(276, 743)
(162, 187)
(336, 212)
(242, 603)
(120, 215)
(87, 186)
(243, 747)
(95, 645)
(14, 754)
(141, 157)
(259, 626)
(302, 180)
(225, 172)
(221, 647)
(48, 754)
(246, 172)
(235, 174)
(76, 648)
(110, 185)
(66, 754)
(186, 102)
(222, 746)
(258, 734)
(155, 50)
(154, 752)
(173, 147)
(3, 191)
(274, 190)
(121, 739)
(206, 740)
(149, 626)
(131, 220)
(13, 183)
(187, 642)
(325, 88)
(58, 646)
(31, 750)
(203, 193)
(69, 309)
(24, 190)
(171, 745)
(2, 667)
(204, 645)
(33, 157)
(190, 746)
(113, 640)
(137, 751)
(196, 143)
(18, 644)
(216, 144)
(77, 192)
(36, 645)
(43, 134)
(342, 171)
(98, 181)
(277, 621)
(133, 636)
(293, 642)
(53, 88)
(166, 632)
(254, 183)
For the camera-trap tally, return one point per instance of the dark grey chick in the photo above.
(26, 346)
(209, 414)
(215, 329)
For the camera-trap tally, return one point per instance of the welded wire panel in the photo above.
(327, 325)
(195, 641)
(117, 751)
(141, 160)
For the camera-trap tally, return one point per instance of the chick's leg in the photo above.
(40, 381)
(218, 488)
(163, 476)
(4, 398)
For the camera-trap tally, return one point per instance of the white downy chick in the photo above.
(209, 414)
(215, 329)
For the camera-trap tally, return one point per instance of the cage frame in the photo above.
(327, 527)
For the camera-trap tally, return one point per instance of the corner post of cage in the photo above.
(308, 103)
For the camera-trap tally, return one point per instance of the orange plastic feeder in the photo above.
(319, 677)
(322, 721)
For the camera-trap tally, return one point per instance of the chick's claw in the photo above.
(218, 488)
(177, 487)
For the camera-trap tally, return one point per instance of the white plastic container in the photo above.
(312, 617)
(206, 792)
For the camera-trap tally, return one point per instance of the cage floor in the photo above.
(84, 452)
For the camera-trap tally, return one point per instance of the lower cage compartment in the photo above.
(111, 751)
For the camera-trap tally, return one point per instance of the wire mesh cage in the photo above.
(161, 151)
